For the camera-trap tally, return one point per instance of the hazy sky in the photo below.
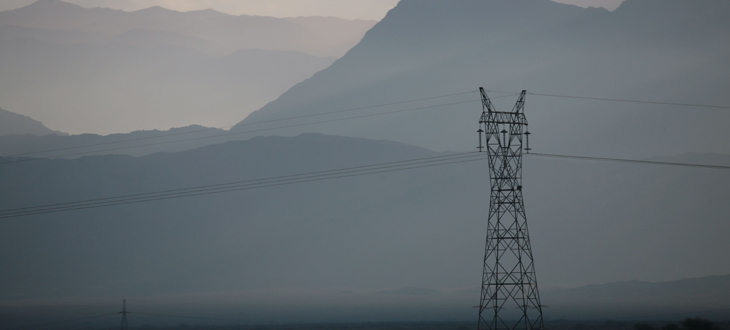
(350, 9)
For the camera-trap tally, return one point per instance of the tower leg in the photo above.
(509, 295)
(124, 325)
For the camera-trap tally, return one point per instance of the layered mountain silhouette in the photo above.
(657, 50)
(14, 124)
(589, 222)
(105, 71)
(207, 31)
(137, 143)
(416, 236)
(681, 298)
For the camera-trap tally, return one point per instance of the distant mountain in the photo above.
(655, 50)
(107, 71)
(114, 87)
(709, 288)
(423, 228)
(224, 34)
(683, 297)
(15, 124)
(136, 143)
(635, 301)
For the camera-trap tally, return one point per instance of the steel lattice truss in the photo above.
(509, 297)
(124, 325)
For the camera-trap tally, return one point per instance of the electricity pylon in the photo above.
(124, 313)
(509, 298)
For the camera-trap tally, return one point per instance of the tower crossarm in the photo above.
(509, 296)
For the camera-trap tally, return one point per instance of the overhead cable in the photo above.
(634, 161)
(245, 185)
(624, 100)
(299, 178)
(312, 123)
(242, 124)
(240, 132)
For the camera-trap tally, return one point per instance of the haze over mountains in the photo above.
(138, 143)
(404, 245)
(656, 50)
(156, 68)
(215, 33)
(423, 228)
(13, 123)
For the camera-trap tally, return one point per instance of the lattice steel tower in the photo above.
(509, 298)
(124, 325)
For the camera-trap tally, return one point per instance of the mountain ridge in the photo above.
(708, 294)
(137, 143)
(15, 124)
(156, 68)
(700, 286)
(427, 48)
(204, 24)
(142, 80)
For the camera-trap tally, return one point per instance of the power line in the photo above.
(245, 185)
(61, 322)
(19, 214)
(313, 123)
(295, 179)
(628, 101)
(243, 124)
(634, 161)
(229, 184)
(242, 132)
(636, 101)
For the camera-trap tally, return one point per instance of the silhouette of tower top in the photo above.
(509, 297)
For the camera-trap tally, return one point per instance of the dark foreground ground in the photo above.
(554, 325)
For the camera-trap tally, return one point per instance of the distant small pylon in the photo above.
(124, 313)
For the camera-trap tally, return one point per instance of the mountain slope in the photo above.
(106, 71)
(671, 51)
(13, 123)
(116, 87)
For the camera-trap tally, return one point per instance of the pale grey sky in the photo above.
(350, 9)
